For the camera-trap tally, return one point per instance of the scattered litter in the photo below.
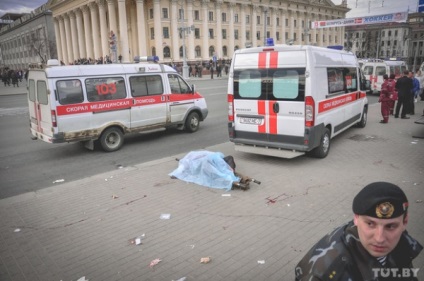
(414, 142)
(115, 196)
(205, 260)
(17, 230)
(417, 201)
(416, 183)
(137, 240)
(154, 262)
(191, 246)
(261, 262)
(226, 195)
(119, 166)
(181, 279)
(165, 216)
(82, 279)
(57, 181)
(288, 205)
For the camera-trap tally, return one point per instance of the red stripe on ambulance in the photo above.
(337, 102)
(262, 111)
(273, 59)
(262, 60)
(272, 118)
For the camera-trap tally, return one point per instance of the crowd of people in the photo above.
(403, 92)
(12, 77)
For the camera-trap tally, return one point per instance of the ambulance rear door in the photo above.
(269, 93)
(40, 110)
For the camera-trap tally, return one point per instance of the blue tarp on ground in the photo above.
(206, 168)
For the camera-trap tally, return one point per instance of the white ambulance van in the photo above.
(104, 102)
(375, 69)
(286, 101)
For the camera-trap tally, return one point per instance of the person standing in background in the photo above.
(404, 87)
(415, 91)
(387, 89)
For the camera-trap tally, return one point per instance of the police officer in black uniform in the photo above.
(374, 246)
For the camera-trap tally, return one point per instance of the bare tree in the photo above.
(39, 45)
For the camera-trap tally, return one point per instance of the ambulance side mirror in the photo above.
(193, 89)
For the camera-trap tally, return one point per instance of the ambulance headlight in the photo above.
(269, 42)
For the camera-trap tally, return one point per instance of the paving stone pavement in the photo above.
(83, 228)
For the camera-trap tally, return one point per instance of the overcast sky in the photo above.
(359, 7)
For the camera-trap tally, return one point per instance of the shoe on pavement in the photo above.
(396, 116)
(405, 117)
(383, 122)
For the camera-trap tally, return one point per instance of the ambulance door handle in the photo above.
(276, 107)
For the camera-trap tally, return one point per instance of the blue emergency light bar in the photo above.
(269, 42)
(138, 59)
(336, 47)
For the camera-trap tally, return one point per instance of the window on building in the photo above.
(268, 34)
(224, 51)
(382, 43)
(197, 33)
(268, 21)
(390, 33)
(236, 34)
(247, 19)
(165, 32)
(181, 14)
(258, 19)
(196, 15)
(303, 24)
(236, 18)
(181, 52)
(388, 43)
(151, 13)
(287, 22)
(210, 16)
(152, 33)
(166, 52)
(382, 33)
(165, 13)
(224, 17)
(224, 34)
(153, 51)
(258, 35)
(247, 35)
(278, 21)
(277, 35)
(396, 33)
(211, 33)
(294, 23)
(198, 52)
(211, 51)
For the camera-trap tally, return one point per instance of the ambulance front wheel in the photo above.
(112, 139)
(192, 122)
(363, 122)
(324, 146)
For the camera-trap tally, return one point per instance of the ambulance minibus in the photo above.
(285, 101)
(375, 69)
(103, 102)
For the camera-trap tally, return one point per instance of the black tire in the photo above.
(112, 139)
(324, 145)
(363, 122)
(192, 122)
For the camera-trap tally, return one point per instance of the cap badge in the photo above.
(384, 210)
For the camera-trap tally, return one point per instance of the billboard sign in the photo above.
(394, 17)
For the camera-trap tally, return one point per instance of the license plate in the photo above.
(250, 120)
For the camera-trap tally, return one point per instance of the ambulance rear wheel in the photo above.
(324, 146)
(112, 139)
(192, 122)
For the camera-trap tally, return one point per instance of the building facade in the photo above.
(401, 41)
(29, 38)
(202, 28)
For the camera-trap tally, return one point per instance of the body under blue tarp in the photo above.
(206, 168)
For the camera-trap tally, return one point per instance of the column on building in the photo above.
(299, 26)
(112, 20)
(123, 33)
(232, 40)
(283, 26)
(141, 29)
(69, 55)
(314, 31)
(132, 32)
(218, 40)
(87, 31)
(58, 41)
(104, 34)
(174, 30)
(190, 46)
(75, 48)
(273, 14)
(243, 27)
(340, 36)
(81, 39)
(291, 32)
(95, 29)
(253, 25)
(320, 34)
(205, 33)
(158, 28)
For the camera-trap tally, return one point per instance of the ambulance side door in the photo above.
(181, 98)
(149, 101)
